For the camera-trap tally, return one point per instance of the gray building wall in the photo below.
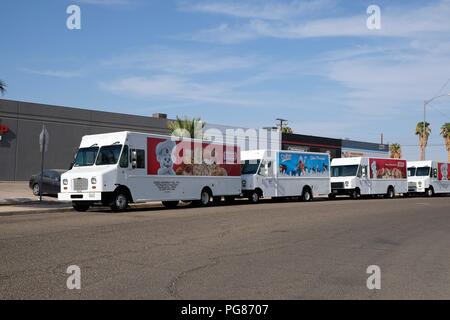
(19, 148)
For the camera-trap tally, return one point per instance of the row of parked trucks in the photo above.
(115, 169)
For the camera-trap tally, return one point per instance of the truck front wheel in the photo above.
(355, 194)
(254, 197)
(80, 206)
(429, 192)
(120, 202)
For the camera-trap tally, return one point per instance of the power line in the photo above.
(443, 87)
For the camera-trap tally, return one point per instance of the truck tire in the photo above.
(80, 206)
(390, 193)
(254, 197)
(355, 194)
(120, 202)
(429, 192)
(170, 204)
(205, 198)
(307, 195)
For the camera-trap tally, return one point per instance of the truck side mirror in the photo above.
(435, 173)
(363, 172)
(134, 159)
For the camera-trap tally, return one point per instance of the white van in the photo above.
(118, 168)
(368, 176)
(268, 173)
(428, 177)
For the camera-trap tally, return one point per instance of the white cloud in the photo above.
(55, 73)
(270, 10)
(407, 22)
(173, 88)
(106, 2)
(167, 60)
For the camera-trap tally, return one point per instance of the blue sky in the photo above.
(240, 63)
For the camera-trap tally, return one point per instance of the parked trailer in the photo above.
(117, 168)
(368, 176)
(428, 177)
(277, 174)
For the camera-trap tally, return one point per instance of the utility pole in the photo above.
(280, 123)
(423, 157)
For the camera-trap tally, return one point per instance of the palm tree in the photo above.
(186, 126)
(287, 129)
(2, 87)
(445, 133)
(423, 131)
(396, 151)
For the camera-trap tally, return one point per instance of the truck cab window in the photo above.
(85, 157)
(265, 169)
(108, 155)
(411, 171)
(140, 158)
(249, 166)
(124, 158)
(423, 171)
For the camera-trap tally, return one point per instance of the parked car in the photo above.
(51, 182)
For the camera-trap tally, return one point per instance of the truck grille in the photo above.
(80, 184)
(337, 185)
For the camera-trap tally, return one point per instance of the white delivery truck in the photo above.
(428, 177)
(368, 176)
(118, 168)
(269, 173)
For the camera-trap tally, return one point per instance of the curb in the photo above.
(26, 212)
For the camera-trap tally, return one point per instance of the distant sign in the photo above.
(3, 129)
(44, 139)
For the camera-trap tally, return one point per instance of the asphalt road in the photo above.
(288, 250)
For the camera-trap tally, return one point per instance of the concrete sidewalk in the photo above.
(12, 193)
(17, 198)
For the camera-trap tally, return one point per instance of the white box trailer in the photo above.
(368, 176)
(122, 167)
(428, 177)
(271, 173)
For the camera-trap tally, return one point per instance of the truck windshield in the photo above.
(85, 157)
(423, 171)
(108, 155)
(344, 171)
(411, 171)
(250, 166)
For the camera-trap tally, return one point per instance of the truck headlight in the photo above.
(93, 180)
(244, 183)
(347, 183)
(420, 184)
(65, 182)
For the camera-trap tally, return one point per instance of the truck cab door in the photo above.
(124, 166)
(363, 178)
(267, 179)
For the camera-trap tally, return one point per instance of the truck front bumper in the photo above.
(80, 196)
(342, 192)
